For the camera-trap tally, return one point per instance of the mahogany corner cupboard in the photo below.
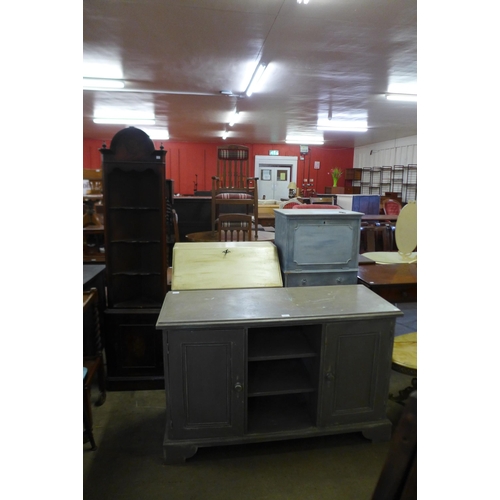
(249, 365)
(136, 258)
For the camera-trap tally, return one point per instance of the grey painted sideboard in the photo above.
(249, 365)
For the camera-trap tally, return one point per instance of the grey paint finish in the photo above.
(254, 365)
(318, 246)
(250, 306)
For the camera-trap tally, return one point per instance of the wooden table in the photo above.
(393, 282)
(213, 236)
(364, 261)
(404, 360)
(225, 264)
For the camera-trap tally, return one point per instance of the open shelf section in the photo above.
(282, 342)
(279, 414)
(285, 376)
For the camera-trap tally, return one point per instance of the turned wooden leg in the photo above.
(101, 380)
(87, 423)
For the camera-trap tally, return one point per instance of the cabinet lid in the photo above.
(330, 213)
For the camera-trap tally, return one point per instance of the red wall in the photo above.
(185, 160)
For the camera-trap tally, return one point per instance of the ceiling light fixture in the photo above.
(305, 1)
(255, 78)
(234, 117)
(157, 134)
(304, 139)
(401, 97)
(124, 121)
(224, 135)
(102, 83)
(342, 125)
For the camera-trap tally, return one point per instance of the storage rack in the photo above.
(399, 179)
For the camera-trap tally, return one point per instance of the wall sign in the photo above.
(274, 152)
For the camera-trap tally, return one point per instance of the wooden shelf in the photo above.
(278, 414)
(288, 376)
(278, 344)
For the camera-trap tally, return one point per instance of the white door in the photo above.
(273, 181)
(272, 172)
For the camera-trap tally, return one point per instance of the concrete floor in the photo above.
(128, 463)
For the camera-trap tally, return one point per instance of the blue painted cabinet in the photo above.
(318, 247)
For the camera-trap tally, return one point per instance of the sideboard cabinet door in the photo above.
(356, 371)
(205, 371)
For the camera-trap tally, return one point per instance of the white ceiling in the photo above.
(329, 56)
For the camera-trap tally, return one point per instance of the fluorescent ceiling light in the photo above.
(112, 115)
(157, 134)
(234, 118)
(342, 125)
(305, 1)
(255, 78)
(304, 139)
(101, 83)
(224, 135)
(402, 97)
(124, 121)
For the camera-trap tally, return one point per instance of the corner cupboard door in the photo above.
(206, 390)
(356, 371)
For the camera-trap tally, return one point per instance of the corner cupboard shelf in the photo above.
(135, 234)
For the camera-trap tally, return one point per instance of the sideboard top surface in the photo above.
(186, 309)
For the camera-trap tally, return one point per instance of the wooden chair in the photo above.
(391, 207)
(233, 184)
(376, 238)
(175, 228)
(92, 357)
(235, 227)
(290, 203)
(87, 426)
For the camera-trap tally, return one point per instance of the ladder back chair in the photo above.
(376, 238)
(391, 207)
(235, 227)
(233, 184)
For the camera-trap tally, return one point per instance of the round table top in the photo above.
(391, 257)
(213, 236)
(404, 354)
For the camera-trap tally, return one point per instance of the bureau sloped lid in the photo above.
(208, 265)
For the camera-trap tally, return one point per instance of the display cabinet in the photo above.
(136, 255)
(307, 362)
(135, 234)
